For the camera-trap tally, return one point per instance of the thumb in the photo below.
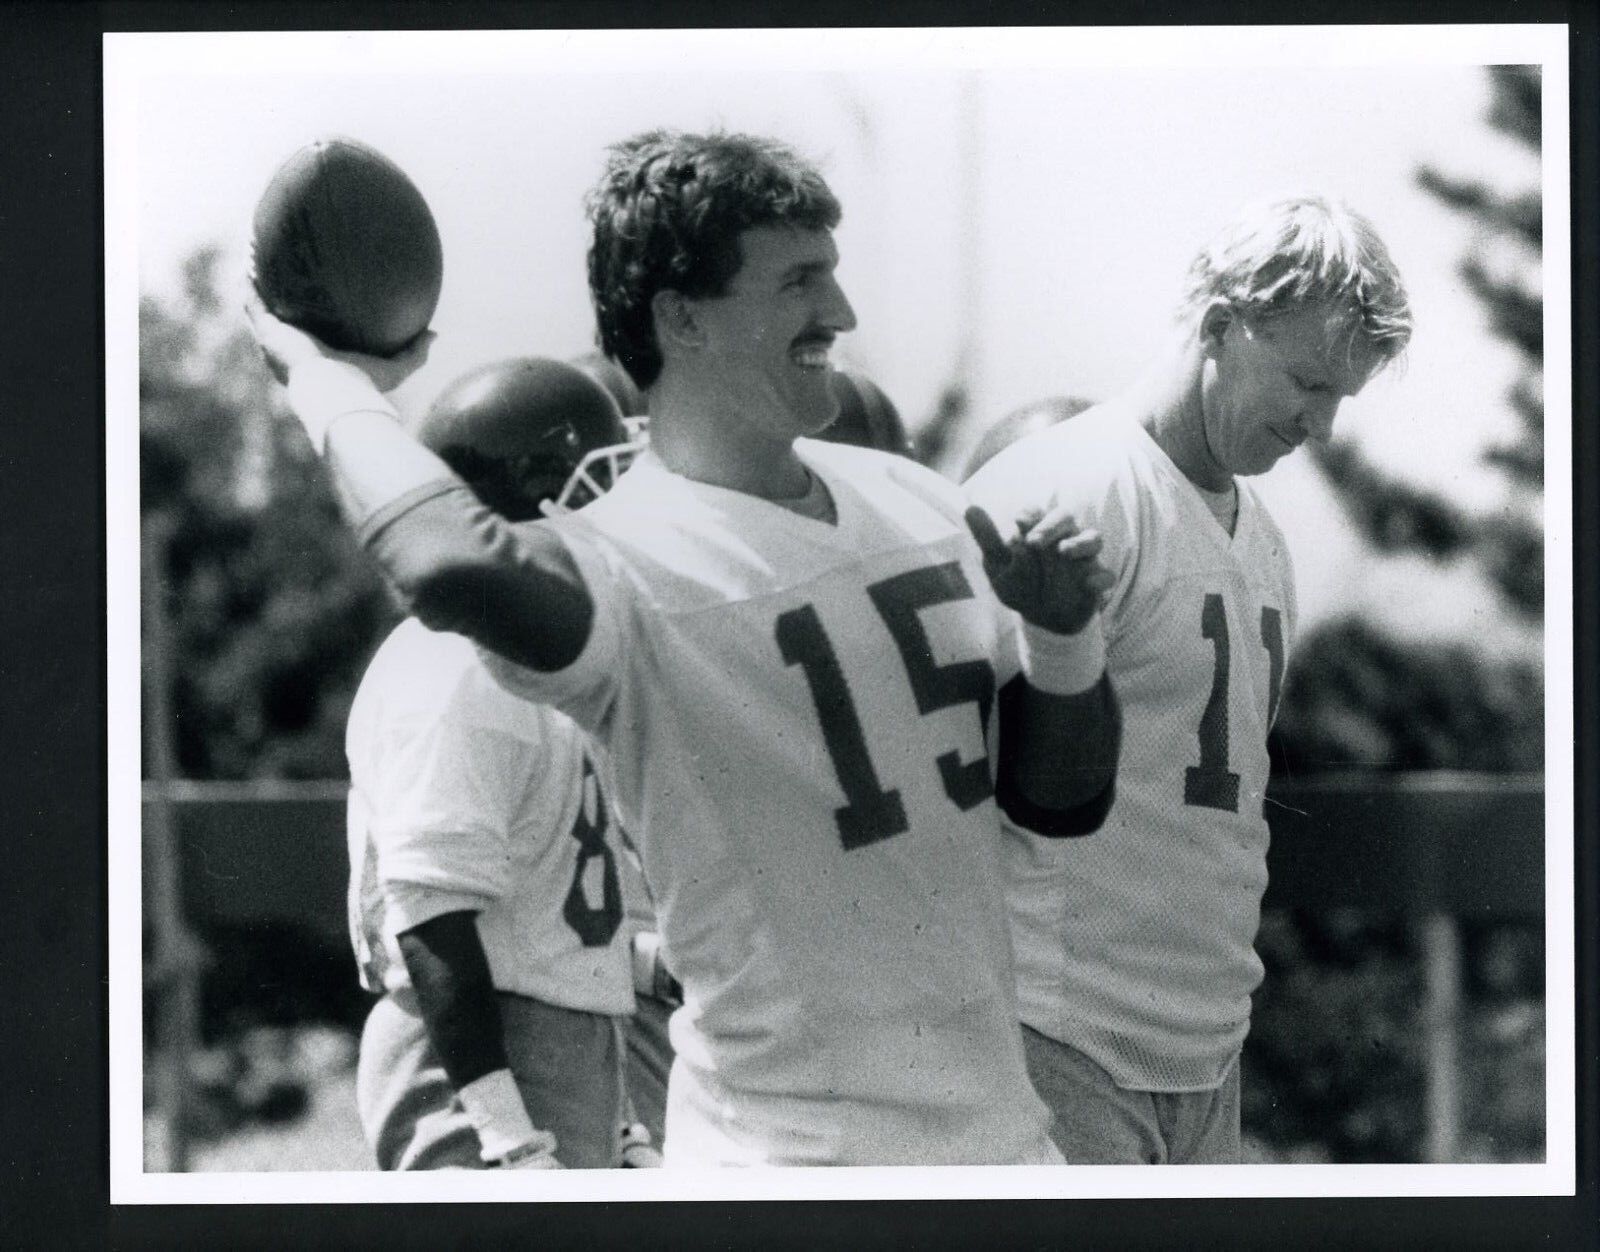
(993, 547)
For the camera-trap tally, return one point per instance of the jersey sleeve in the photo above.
(585, 689)
(513, 589)
(445, 787)
(1282, 575)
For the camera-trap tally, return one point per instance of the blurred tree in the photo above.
(1359, 697)
(935, 438)
(1334, 1060)
(273, 610)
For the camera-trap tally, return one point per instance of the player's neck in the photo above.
(1171, 410)
(697, 439)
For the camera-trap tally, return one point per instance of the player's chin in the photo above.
(1262, 461)
(812, 418)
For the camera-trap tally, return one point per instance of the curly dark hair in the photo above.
(667, 215)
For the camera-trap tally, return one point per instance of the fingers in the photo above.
(993, 547)
(1099, 580)
(286, 347)
(1052, 525)
(275, 335)
(1028, 519)
(1083, 546)
(413, 356)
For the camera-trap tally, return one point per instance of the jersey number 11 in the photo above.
(1211, 784)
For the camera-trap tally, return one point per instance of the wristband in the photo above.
(538, 1153)
(1063, 665)
(638, 1152)
(494, 1107)
(321, 391)
(650, 976)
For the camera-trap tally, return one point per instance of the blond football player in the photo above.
(1134, 949)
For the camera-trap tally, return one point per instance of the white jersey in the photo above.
(796, 717)
(1135, 944)
(464, 797)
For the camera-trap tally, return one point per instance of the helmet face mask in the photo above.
(530, 436)
(597, 472)
(867, 418)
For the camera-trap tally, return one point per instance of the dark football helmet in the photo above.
(531, 436)
(611, 376)
(867, 418)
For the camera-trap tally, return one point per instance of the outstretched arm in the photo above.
(456, 565)
(1060, 722)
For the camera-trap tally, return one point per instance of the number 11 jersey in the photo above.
(797, 715)
(1136, 945)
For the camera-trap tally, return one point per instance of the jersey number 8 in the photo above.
(595, 927)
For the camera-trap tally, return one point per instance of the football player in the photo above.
(794, 654)
(486, 907)
(1134, 949)
(868, 419)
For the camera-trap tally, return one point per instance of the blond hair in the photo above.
(1281, 255)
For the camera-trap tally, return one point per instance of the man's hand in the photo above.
(1047, 571)
(287, 349)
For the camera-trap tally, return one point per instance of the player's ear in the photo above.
(1214, 323)
(675, 319)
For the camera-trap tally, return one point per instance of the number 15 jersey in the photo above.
(1136, 944)
(796, 715)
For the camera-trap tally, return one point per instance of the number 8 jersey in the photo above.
(464, 797)
(1136, 945)
(796, 716)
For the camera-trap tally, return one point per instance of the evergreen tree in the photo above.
(1337, 1070)
(1361, 697)
(272, 608)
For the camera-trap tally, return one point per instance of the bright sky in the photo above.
(1031, 196)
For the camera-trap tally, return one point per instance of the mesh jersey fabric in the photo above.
(1135, 944)
(795, 715)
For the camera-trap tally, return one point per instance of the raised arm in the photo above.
(1060, 722)
(455, 564)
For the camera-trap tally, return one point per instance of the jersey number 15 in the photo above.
(872, 812)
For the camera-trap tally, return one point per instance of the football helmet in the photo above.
(531, 436)
(1029, 419)
(867, 418)
(611, 376)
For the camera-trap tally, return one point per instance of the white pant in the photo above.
(704, 1130)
